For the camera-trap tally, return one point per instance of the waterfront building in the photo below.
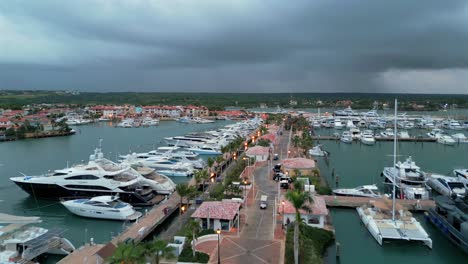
(258, 152)
(315, 215)
(162, 111)
(192, 111)
(107, 111)
(218, 215)
(305, 166)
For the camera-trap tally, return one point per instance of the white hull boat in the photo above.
(102, 207)
(367, 138)
(362, 191)
(317, 151)
(446, 140)
(446, 185)
(346, 137)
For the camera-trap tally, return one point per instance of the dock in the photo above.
(412, 139)
(353, 202)
(135, 233)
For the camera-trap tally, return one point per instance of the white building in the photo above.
(218, 215)
(315, 215)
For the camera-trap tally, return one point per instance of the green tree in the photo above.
(202, 176)
(158, 249)
(183, 190)
(298, 198)
(127, 254)
(296, 141)
(194, 229)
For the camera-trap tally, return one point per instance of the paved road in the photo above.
(260, 223)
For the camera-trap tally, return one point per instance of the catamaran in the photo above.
(386, 220)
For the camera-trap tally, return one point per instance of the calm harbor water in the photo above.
(38, 156)
(357, 164)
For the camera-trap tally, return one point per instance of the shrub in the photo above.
(312, 244)
(187, 256)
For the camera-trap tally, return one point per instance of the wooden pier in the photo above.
(413, 139)
(353, 202)
(135, 233)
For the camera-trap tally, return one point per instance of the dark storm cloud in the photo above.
(280, 46)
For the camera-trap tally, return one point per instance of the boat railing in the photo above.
(42, 244)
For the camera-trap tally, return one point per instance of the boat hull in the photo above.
(55, 192)
(447, 230)
(104, 213)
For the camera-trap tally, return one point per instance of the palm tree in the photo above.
(127, 254)
(183, 190)
(158, 249)
(202, 176)
(296, 141)
(193, 228)
(298, 198)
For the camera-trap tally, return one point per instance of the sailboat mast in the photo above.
(394, 158)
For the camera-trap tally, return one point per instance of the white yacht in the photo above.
(460, 138)
(371, 113)
(102, 207)
(161, 184)
(385, 220)
(350, 124)
(410, 180)
(355, 133)
(446, 185)
(98, 177)
(403, 135)
(205, 150)
(317, 151)
(462, 175)
(346, 112)
(388, 133)
(126, 123)
(338, 124)
(148, 121)
(367, 137)
(445, 139)
(454, 125)
(346, 137)
(360, 191)
(22, 243)
(435, 132)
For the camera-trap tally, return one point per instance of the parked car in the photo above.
(275, 156)
(263, 202)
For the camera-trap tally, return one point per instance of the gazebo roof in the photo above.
(298, 163)
(318, 207)
(258, 150)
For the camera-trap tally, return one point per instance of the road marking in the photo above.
(259, 223)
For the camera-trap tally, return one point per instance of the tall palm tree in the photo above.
(127, 254)
(183, 190)
(158, 249)
(193, 228)
(298, 198)
(202, 176)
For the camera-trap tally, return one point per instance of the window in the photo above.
(86, 187)
(59, 173)
(314, 220)
(82, 177)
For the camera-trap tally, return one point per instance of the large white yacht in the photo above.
(22, 243)
(367, 137)
(102, 207)
(386, 220)
(360, 191)
(206, 150)
(410, 180)
(98, 177)
(346, 112)
(346, 137)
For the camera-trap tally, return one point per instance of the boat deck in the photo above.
(353, 202)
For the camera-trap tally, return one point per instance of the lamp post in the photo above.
(282, 215)
(245, 187)
(219, 253)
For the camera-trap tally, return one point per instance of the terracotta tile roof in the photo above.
(217, 210)
(317, 208)
(258, 150)
(298, 163)
(271, 137)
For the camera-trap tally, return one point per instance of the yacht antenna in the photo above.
(394, 158)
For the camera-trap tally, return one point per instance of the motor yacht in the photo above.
(346, 137)
(450, 216)
(403, 135)
(102, 207)
(367, 137)
(316, 124)
(453, 125)
(317, 151)
(126, 123)
(355, 133)
(446, 185)
(460, 138)
(409, 180)
(445, 139)
(98, 177)
(338, 124)
(205, 150)
(346, 112)
(361, 191)
(175, 172)
(435, 132)
(388, 133)
(371, 113)
(350, 124)
(161, 184)
(22, 243)
(462, 175)
(148, 121)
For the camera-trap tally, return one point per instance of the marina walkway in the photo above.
(347, 201)
(136, 232)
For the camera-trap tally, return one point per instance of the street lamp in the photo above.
(219, 253)
(245, 187)
(282, 215)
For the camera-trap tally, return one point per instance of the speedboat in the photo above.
(462, 175)
(435, 132)
(446, 185)
(346, 137)
(371, 113)
(102, 207)
(454, 125)
(318, 151)
(367, 137)
(408, 178)
(22, 243)
(360, 191)
(161, 184)
(148, 121)
(446, 140)
(126, 123)
(350, 124)
(316, 124)
(450, 216)
(346, 112)
(175, 172)
(355, 133)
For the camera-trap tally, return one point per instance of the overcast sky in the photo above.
(235, 46)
